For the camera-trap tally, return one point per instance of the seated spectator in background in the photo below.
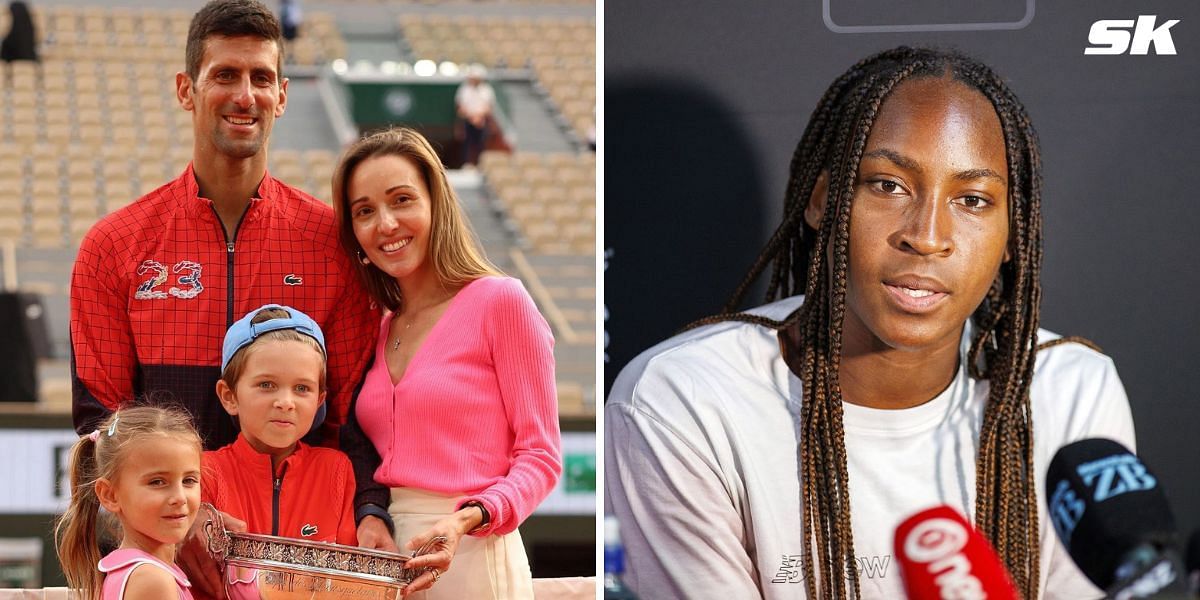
(591, 134)
(474, 102)
(21, 41)
(290, 17)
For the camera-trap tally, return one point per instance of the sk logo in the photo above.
(1111, 36)
(308, 530)
(292, 279)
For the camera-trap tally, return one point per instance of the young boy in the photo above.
(272, 382)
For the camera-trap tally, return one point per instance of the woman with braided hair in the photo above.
(897, 366)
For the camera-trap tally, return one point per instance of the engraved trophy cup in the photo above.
(269, 567)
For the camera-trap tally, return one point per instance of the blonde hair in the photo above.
(92, 459)
(453, 247)
(237, 363)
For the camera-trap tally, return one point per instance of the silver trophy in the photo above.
(270, 567)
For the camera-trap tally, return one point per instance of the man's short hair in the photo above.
(230, 18)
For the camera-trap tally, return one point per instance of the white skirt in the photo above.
(494, 567)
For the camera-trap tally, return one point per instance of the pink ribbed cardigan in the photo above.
(476, 411)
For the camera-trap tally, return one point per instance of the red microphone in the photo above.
(943, 558)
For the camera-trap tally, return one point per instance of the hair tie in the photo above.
(94, 436)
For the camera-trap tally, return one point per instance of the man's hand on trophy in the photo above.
(373, 534)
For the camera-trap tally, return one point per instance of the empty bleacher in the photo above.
(561, 52)
(309, 170)
(97, 124)
(551, 198)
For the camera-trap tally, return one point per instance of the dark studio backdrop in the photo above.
(705, 101)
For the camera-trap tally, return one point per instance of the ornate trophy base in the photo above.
(270, 567)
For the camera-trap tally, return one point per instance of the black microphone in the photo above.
(1191, 564)
(1113, 518)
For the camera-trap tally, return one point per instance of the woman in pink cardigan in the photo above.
(460, 400)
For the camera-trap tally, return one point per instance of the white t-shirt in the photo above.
(475, 99)
(701, 455)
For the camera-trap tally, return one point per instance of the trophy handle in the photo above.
(426, 548)
(214, 530)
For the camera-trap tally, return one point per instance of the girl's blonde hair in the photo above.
(453, 248)
(101, 455)
(237, 364)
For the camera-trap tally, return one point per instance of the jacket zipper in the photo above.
(277, 484)
(229, 261)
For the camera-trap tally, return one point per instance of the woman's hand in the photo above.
(373, 533)
(450, 529)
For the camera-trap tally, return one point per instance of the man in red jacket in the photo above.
(157, 283)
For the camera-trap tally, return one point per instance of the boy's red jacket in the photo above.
(310, 496)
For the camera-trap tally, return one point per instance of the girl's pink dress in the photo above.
(118, 565)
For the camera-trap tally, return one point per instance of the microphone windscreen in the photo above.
(1104, 502)
(1192, 558)
(1192, 564)
(942, 556)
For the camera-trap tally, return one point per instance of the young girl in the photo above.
(143, 466)
(772, 453)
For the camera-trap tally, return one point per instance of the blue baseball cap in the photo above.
(243, 332)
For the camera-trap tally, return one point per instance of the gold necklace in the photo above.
(415, 314)
(396, 343)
